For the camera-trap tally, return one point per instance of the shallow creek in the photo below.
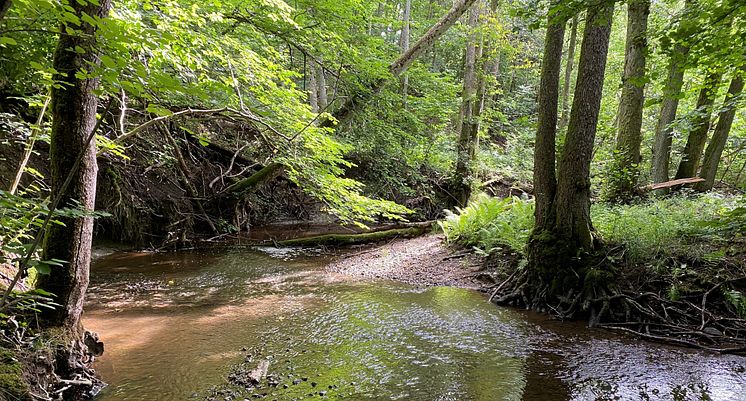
(175, 324)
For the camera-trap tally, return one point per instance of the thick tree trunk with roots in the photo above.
(558, 275)
(625, 168)
(695, 142)
(73, 119)
(720, 135)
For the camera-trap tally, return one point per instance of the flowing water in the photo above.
(176, 324)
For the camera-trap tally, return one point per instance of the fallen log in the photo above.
(258, 374)
(669, 184)
(246, 184)
(359, 238)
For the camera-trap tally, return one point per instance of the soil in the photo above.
(420, 261)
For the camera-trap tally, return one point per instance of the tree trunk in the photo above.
(465, 146)
(313, 96)
(73, 119)
(661, 152)
(625, 168)
(720, 136)
(545, 181)
(695, 142)
(321, 81)
(404, 45)
(344, 113)
(572, 203)
(557, 274)
(568, 72)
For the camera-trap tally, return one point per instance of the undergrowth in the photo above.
(680, 226)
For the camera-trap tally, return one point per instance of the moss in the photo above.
(351, 239)
(12, 385)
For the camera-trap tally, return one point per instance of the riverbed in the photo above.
(176, 324)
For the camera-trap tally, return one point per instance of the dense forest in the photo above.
(590, 155)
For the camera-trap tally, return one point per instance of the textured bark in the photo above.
(572, 203)
(568, 72)
(465, 146)
(720, 136)
(345, 112)
(625, 168)
(545, 181)
(73, 119)
(661, 152)
(697, 138)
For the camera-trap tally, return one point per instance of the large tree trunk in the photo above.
(348, 108)
(625, 167)
(661, 152)
(568, 72)
(465, 146)
(73, 119)
(697, 138)
(545, 181)
(558, 273)
(720, 136)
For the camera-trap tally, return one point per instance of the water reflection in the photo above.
(175, 324)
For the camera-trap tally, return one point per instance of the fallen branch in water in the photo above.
(351, 239)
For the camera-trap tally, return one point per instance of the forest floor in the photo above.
(420, 261)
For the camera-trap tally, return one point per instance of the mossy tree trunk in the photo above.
(697, 138)
(625, 167)
(720, 135)
(557, 271)
(73, 120)
(569, 65)
(661, 152)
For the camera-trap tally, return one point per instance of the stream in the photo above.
(176, 324)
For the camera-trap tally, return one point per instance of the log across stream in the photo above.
(178, 325)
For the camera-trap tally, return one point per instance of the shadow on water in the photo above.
(175, 324)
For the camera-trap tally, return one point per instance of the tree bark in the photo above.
(661, 152)
(313, 87)
(404, 45)
(697, 138)
(572, 203)
(465, 146)
(348, 108)
(625, 167)
(720, 136)
(568, 72)
(322, 97)
(545, 180)
(73, 119)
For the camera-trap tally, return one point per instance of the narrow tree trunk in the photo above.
(661, 152)
(545, 181)
(625, 167)
(463, 172)
(720, 136)
(404, 45)
(313, 87)
(321, 81)
(695, 142)
(572, 203)
(568, 72)
(344, 113)
(73, 119)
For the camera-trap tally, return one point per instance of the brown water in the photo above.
(175, 324)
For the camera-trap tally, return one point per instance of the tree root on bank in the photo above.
(696, 320)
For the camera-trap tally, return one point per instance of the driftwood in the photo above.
(669, 184)
(358, 238)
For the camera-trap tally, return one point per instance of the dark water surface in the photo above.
(175, 325)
